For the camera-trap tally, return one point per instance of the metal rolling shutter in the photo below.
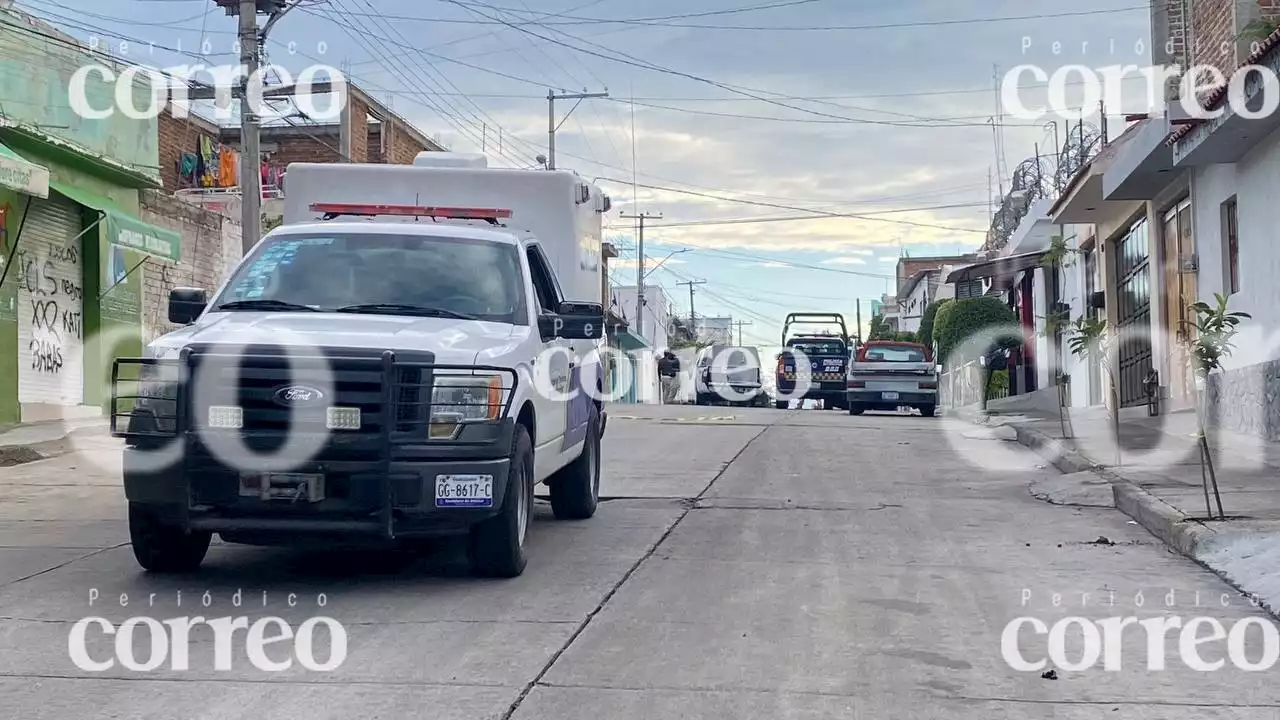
(50, 270)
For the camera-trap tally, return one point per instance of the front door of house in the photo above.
(1178, 244)
(1133, 313)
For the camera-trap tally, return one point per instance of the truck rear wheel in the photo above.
(855, 409)
(497, 544)
(781, 404)
(164, 548)
(575, 490)
(929, 410)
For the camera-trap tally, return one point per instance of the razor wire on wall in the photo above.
(1041, 177)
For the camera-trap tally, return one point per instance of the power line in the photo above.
(570, 20)
(822, 213)
(800, 218)
(625, 59)
(926, 122)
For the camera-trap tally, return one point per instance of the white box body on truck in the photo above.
(410, 353)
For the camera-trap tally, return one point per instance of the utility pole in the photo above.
(250, 153)
(552, 126)
(739, 324)
(692, 316)
(859, 316)
(639, 251)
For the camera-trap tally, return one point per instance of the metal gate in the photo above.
(1133, 310)
(50, 270)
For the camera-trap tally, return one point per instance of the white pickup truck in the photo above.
(408, 328)
(887, 375)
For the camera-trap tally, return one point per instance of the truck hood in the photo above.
(453, 341)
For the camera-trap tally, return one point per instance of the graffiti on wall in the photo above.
(55, 298)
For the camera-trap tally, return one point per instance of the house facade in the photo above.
(75, 239)
(1189, 203)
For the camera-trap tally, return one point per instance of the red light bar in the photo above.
(454, 213)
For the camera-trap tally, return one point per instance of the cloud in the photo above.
(844, 260)
(770, 264)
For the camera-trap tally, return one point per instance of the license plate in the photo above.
(291, 487)
(464, 491)
(889, 396)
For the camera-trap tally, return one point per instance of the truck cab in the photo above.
(887, 375)
(378, 372)
(812, 365)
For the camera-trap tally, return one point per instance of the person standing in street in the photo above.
(668, 373)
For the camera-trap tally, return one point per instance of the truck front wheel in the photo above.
(929, 410)
(575, 490)
(164, 548)
(497, 544)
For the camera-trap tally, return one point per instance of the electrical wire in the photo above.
(625, 59)
(805, 218)
(822, 213)
(586, 21)
(927, 122)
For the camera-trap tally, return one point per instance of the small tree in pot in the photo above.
(1088, 342)
(1214, 328)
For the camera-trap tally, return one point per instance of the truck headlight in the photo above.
(457, 399)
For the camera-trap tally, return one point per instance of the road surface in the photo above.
(748, 563)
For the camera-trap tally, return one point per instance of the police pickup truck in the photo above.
(378, 369)
(812, 366)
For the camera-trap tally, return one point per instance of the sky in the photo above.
(873, 118)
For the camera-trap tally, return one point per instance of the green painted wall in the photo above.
(12, 204)
(112, 314)
(37, 73)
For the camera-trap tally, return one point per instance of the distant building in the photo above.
(714, 330)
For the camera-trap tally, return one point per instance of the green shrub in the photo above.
(927, 322)
(959, 320)
(941, 321)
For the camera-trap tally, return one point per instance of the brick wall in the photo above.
(403, 148)
(1213, 34)
(1221, 32)
(359, 130)
(176, 136)
(320, 149)
(203, 262)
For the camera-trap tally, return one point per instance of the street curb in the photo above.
(1172, 526)
(1058, 454)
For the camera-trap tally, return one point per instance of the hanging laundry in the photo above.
(208, 161)
(228, 167)
(188, 169)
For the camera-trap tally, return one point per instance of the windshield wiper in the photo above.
(404, 309)
(264, 305)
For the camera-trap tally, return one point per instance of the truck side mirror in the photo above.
(574, 321)
(186, 304)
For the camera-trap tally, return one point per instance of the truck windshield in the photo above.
(895, 353)
(381, 274)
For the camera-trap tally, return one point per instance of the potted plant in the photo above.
(1089, 342)
(1209, 342)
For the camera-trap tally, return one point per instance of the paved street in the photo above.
(748, 563)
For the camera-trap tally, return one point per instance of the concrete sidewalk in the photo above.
(1157, 481)
(38, 441)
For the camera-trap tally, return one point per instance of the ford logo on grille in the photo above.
(298, 395)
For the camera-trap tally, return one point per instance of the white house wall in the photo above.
(1256, 186)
